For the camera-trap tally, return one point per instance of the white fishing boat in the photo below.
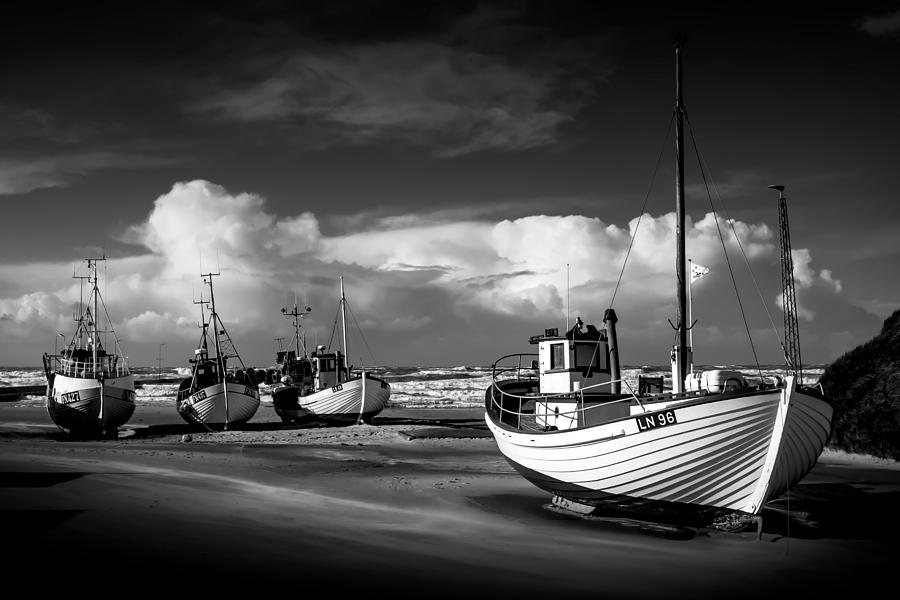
(320, 385)
(715, 444)
(90, 391)
(216, 397)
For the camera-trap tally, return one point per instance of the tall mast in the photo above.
(94, 320)
(791, 329)
(213, 320)
(220, 360)
(680, 369)
(297, 331)
(79, 318)
(95, 292)
(344, 321)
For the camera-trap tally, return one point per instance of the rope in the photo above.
(334, 326)
(706, 184)
(643, 206)
(359, 329)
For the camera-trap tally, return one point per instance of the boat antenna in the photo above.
(95, 293)
(679, 367)
(214, 321)
(791, 346)
(296, 316)
(79, 318)
(567, 297)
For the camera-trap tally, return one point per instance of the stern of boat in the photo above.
(286, 402)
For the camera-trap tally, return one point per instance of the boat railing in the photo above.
(105, 366)
(514, 403)
(197, 382)
(519, 371)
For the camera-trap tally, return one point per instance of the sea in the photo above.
(411, 387)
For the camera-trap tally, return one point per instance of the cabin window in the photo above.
(557, 356)
(590, 356)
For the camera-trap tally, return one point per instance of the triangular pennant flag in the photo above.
(697, 271)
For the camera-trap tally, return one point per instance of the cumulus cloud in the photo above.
(825, 275)
(199, 221)
(404, 274)
(807, 279)
(523, 266)
(453, 248)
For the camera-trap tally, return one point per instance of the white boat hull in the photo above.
(344, 402)
(724, 452)
(220, 407)
(86, 406)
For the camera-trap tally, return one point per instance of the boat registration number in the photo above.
(68, 398)
(198, 396)
(656, 420)
(337, 388)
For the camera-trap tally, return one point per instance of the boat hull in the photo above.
(90, 407)
(286, 401)
(343, 403)
(728, 452)
(219, 407)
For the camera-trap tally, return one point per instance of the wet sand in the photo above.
(419, 504)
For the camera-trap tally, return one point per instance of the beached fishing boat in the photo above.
(90, 390)
(715, 444)
(216, 396)
(321, 385)
(296, 373)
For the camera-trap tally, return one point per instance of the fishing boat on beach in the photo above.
(216, 396)
(321, 386)
(716, 446)
(90, 390)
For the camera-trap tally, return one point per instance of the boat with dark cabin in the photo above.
(321, 386)
(216, 396)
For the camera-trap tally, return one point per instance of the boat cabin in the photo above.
(297, 371)
(285, 356)
(574, 361)
(575, 370)
(206, 373)
(78, 361)
(329, 368)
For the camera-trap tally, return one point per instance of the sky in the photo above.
(476, 172)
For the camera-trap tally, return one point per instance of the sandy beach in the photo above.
(418, 504)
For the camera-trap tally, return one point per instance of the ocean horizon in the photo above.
(460, 386)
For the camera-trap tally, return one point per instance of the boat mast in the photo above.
(789, 300)
(220, 360)
(679, 368)
(78, 337)
(202, 352)
(296, 316)
(344, 326)
(95, 291)
(214, 320)
(94, 318)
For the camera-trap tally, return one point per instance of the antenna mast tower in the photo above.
(789, 300)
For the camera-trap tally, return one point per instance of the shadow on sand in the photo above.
(858, 511)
